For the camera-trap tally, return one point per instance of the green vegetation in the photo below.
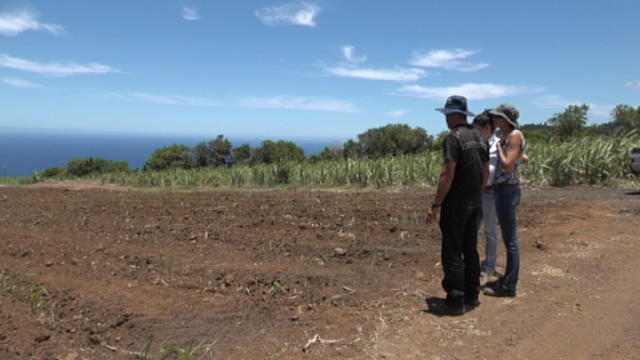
(192, 351)
(583, 160)
(34, 295)
(213, 153)
(170, 157)
(569, 122)
(406, 170)
(272, 152)
(586, 160)
(16, 180)
(562, 151)
(82, 167)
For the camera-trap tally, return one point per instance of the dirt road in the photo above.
(95, 273)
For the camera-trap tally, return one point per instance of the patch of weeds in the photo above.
(193, 351)
(36, 296)
(8, 283)
(220, 275)
(33, 295)
(276, 288)
(166, 263)
(159, 235)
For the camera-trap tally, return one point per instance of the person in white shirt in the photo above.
(485, 124)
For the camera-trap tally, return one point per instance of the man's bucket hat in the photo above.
(455, 104)
(507, 112)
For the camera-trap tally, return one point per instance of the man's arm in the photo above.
(444, 184)
(485, 175)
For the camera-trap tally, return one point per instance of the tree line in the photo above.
(572, 122)
(389, 140)
(385, 141)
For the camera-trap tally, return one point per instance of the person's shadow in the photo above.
(438, 307)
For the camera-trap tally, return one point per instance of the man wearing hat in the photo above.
(459, 199)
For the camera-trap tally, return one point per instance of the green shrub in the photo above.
(170, 157)
(82, 167)
(53, 172)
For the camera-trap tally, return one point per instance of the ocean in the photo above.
(23, 153)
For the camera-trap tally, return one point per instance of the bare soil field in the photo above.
(95, 273)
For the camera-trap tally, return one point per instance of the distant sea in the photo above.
(23, 153)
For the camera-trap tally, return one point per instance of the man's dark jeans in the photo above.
(460, 260)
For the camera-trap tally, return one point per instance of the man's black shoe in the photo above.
(498, 291)
(471, 303)
(491, 283)
(455, 310)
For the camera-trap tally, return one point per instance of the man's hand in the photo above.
(432, 215)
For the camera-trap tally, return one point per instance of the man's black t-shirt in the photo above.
(465, 146)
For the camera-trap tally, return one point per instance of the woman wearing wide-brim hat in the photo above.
(506, 186)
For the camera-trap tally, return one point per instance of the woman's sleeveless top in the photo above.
(502, 177)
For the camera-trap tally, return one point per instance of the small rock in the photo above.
(92, 340)
(49, 263)
(228, 279)
(71, 356)
(42, 338)
(339, 252)
(420, 275)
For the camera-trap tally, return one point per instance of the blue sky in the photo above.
(318, 69)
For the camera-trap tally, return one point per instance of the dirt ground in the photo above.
(110, 273)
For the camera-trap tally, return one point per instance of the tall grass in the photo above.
(16, 180)
(386, 172)
(590, 160)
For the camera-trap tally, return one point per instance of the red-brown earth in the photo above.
(91, 272)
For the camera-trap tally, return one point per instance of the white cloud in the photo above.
(558, 102)
(276, 102)
(20, 83)
(397, 113)
(554, 102)
(599, 110)
(447, 59)
(395, 74)
(12, 24)
(471, 91)
(300, 13)
(54, 69)
(633, 85)
(176, 100)
(349, 53)
(190, 13)
(298, 103)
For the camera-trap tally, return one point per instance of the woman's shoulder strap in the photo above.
(523, 143)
